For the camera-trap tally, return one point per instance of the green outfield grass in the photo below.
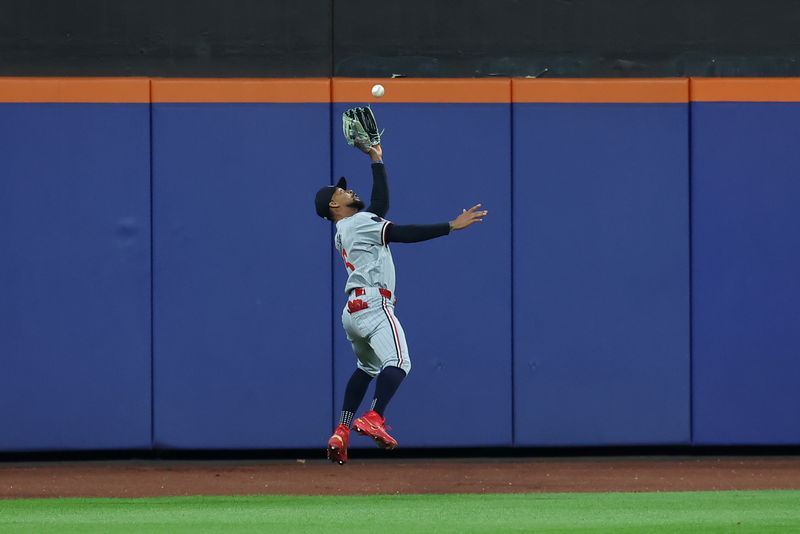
(734, 511)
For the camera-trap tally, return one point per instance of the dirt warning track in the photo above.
(371, 477)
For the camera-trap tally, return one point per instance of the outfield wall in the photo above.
(166, 284)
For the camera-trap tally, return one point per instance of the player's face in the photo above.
(347, 198)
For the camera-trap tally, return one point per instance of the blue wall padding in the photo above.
(601, 274)
(454, 292)
(74, 277)
(242, 274)
(247, 349)
(746, 273)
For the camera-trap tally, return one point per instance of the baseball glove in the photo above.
(360, 129)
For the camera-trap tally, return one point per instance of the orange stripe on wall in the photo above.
(601, 91)
(89, 90)
(296, 90)
(424, 90)
(745, 89)
(434, 90)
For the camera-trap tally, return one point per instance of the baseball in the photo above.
(377, 90)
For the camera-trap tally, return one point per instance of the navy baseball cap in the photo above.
(324, 196)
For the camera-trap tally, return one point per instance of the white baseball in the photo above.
(377, 90)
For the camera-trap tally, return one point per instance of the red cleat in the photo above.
(372, 425)
(337, 445)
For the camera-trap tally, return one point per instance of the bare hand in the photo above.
(375, 152)
(468, 217)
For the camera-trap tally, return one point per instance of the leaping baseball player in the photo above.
(362, 239)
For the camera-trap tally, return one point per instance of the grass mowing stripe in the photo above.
(742, 511)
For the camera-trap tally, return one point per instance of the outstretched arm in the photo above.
(379, 201)
(413, 233)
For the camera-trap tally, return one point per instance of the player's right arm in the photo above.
(414, 233)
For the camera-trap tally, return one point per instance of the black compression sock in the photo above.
(388, 382)
(346, 418)
(355, 391)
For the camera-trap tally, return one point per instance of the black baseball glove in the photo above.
(360, 129)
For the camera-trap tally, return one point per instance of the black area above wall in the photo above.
(165, 37)
(567, 38)
(558, 38)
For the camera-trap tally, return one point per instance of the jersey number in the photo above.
(347, 264)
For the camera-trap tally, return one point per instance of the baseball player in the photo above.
(362, 239)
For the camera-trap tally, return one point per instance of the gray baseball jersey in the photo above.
(368, 318)
(361, 242)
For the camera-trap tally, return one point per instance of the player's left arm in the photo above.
(379, 201)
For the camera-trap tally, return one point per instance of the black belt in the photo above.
(360, 292)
